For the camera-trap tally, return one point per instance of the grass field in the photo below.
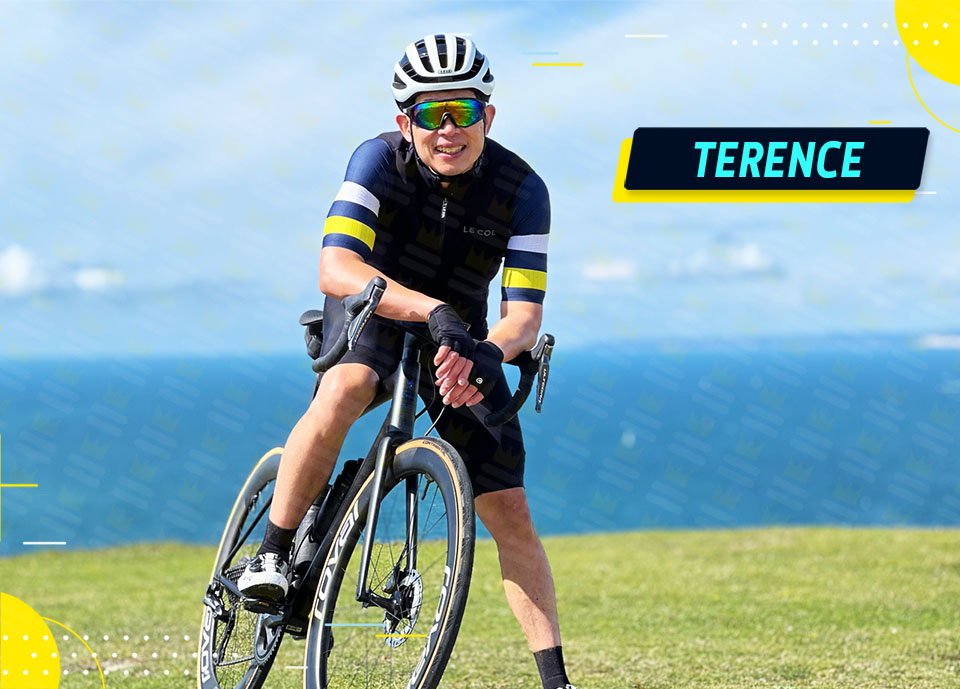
(667, 610)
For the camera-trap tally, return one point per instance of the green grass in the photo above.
(773, 608)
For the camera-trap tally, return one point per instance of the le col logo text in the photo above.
(477, 231)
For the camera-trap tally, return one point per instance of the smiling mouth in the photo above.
(449, 150)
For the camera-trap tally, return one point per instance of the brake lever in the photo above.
(542, 353)
(370, 302)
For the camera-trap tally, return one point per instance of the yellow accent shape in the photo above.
(917, 94)
(524, 277)
(941, 59)
(27, 648)
(623, 195)
(350, 227)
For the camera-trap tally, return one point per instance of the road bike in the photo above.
(399, 523)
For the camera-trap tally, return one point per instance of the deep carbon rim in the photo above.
(351, 657)
(236, 652)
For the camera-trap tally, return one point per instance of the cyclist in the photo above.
(434, 208)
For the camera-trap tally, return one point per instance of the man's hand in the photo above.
(452, 379)
(448, 330)
(479, 377)
(452, 367)
(456, 347)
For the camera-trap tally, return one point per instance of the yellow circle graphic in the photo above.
(930, 31)
(28, 653)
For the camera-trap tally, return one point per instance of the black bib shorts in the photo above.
(494, 456)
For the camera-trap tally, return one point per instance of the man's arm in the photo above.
(524, 271)
(517, 329)
(344, 272)
(349, 234)
(524, 284)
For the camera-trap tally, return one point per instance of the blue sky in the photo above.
(166, 168)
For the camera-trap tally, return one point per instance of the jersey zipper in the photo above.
(443, 238)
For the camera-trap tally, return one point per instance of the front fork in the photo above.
(399, 430)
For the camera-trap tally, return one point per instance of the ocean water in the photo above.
(855, 432)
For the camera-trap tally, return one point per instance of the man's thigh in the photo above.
(379, 347)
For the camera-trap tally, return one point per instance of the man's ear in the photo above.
(489, 112)
(404, 123)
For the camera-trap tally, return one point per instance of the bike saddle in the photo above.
(310, 317)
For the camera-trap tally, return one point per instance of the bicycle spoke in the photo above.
(430, 510)
(439, 519)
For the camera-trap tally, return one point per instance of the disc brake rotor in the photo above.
(410, 595)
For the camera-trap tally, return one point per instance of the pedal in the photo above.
(261, 607)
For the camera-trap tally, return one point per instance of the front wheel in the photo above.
(237, 647)
(428, 502)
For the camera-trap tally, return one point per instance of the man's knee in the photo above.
(345, 390)
(506, 514)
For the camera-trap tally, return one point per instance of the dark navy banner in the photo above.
(776, 158)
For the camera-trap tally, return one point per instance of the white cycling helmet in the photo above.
(443, 62)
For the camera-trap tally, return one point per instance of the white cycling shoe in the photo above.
(265, 578)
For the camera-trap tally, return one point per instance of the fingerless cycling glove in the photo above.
(446, 328)
(487, 362)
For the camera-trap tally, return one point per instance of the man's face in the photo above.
(449, 150)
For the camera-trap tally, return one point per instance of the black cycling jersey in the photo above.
(449, 242)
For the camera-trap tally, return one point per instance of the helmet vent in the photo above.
(442, 52)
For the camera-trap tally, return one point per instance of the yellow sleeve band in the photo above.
(525, 278)
(337, 224)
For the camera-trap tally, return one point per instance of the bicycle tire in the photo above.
(324, 654)
(254, 675)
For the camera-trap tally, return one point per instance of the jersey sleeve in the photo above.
(525, 263)
(352, 219)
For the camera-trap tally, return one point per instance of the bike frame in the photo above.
(399, 430)
(293, 615)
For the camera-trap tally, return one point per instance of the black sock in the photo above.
(277, 540)
(550, 664)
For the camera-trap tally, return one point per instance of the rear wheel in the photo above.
(237, 647)
(408, 643)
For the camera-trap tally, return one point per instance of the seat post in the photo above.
(404, 408)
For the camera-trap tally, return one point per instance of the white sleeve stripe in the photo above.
(351, 191)
(529, 242)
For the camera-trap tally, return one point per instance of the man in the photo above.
(433, 208)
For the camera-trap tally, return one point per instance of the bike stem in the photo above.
(399, 430)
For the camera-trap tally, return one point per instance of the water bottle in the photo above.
(305, 542)
(315, 524)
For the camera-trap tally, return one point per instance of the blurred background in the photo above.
(166, 169)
